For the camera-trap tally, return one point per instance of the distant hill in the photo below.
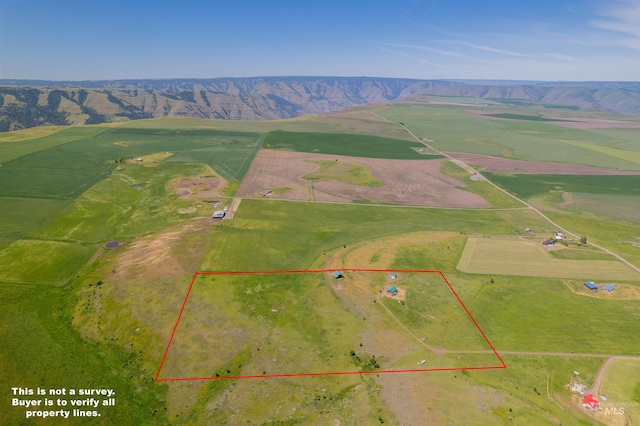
(29, 103)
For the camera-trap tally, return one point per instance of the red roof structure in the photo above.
(590, 402)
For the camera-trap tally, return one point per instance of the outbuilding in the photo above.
(590, 402)
(219, 214)
(591, 285)
(338, 274)
(392, 291)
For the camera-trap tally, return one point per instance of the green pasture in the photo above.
(623, 207)
(451, 129)
(22, 215)
(13, 150)
(624, 139)
(113, 209)
(543, 315)
(271, 234)
(228, 153)
(342, 171)
(42, 262)
(344, 144)
(620, 384)
(40, 348)
(496, 198)
(511, 116)
(432, 312)
(527, 186)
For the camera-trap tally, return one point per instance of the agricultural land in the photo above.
(115, 273)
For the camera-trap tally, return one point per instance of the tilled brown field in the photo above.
(407, 182)
(505, 165)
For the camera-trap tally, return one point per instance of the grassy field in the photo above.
(344, 172)
(511, 116)
(113, 209)
(345, 144)
(520, 314)
(526, 258)
(527, 186)
(451, 129)
(113, 334)
(625, 207)
(619, 384)
(482, 188)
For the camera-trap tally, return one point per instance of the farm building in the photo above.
(219, 214)
(393, 276)
(338, 274)
(591, 285)
(392, 291)
(610, 287)
(591, 403)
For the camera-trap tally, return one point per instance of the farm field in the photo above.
(100, 316)
(625, 207)
(527, 258)
(294, 176)
(491, 164)
(451, 129)
(345, 144)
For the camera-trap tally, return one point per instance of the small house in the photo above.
(338, 274)
(392, 291)
(591, 285)
(591, 403)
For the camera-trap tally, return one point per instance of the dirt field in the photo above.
(199, 187)
(571, 122)
(407, 182)
(504, 165)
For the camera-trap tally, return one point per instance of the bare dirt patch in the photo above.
(407, 182)
(198, 188)
(121, 144)
(505, 165)
(154, 255)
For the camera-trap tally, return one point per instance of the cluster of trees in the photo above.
(28, 113)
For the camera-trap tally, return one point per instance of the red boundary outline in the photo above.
(331, 373)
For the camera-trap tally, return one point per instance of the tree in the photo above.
(583, 240)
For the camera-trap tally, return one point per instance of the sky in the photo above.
(544, 40)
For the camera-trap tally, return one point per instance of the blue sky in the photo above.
(572, 40)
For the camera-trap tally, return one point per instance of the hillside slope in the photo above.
(29, 103)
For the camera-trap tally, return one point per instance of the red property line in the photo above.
(333, 373)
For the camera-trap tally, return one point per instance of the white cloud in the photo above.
(622, 16)
(488, 48)
(424, 61)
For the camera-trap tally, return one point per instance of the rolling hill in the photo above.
(30, 103)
